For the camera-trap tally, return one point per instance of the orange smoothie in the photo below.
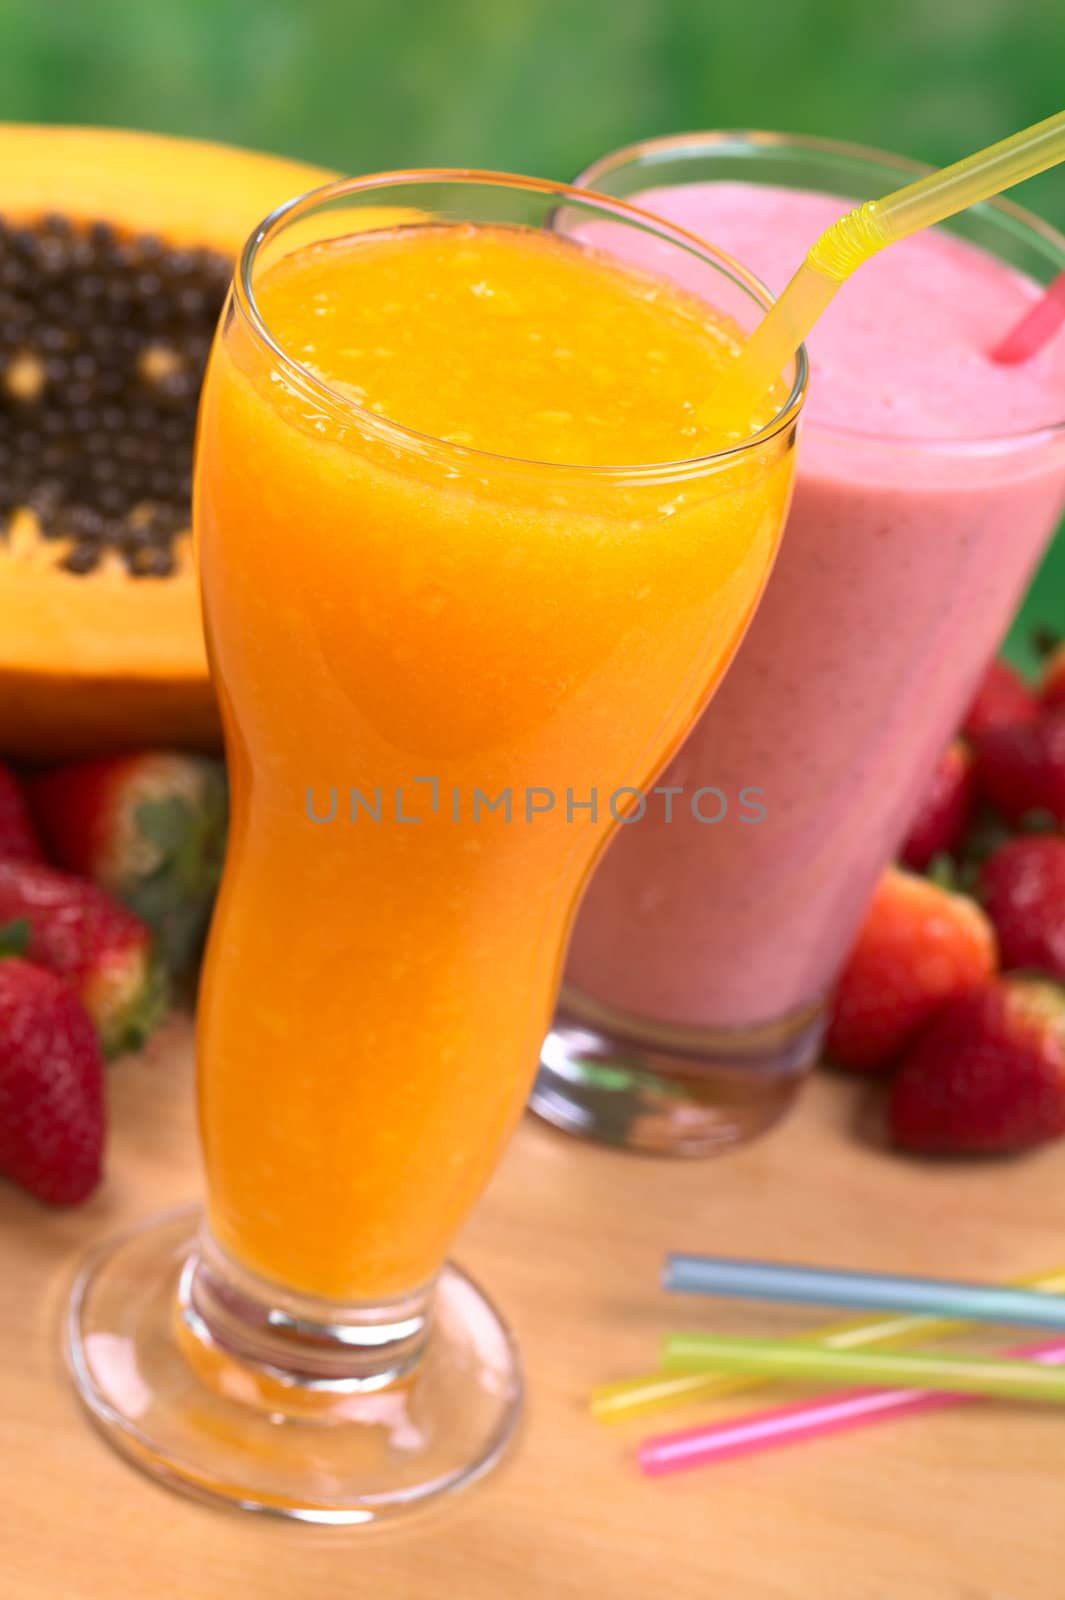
(437, 626)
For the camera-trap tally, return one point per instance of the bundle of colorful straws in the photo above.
(894, 1381)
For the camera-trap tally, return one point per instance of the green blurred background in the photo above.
(544, 86)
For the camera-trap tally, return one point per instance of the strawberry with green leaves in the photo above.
(103, 950)
(987, 1076)
(52, 1111)
(150, 829)
(919, 947)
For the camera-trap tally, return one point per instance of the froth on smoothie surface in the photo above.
(902, 350)
(505, 339)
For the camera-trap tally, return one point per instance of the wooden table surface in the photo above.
(963, 1506)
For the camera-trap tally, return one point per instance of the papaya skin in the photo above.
(110, 662)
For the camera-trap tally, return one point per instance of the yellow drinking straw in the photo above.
(657, 1391)
(854, 238)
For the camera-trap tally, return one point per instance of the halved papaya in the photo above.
(115, 255)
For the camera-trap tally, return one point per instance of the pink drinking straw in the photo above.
(806, 1419)
(1035, 329)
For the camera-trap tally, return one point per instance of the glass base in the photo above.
(243, 1432)
(668, 1090)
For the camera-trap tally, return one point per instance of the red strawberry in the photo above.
(150, 829)
(104, 950)
(945, 809)
(18, 838)
(1021, 770)
(1023, 892)
(987, 1076)
(919, 947)
(1002, 699)
(1053, 683)
(51, 1086)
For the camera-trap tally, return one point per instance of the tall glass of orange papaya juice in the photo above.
(472, 560)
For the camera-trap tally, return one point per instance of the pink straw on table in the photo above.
(1036, 328)
(806, 1419)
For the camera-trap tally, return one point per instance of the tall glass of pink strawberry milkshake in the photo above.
(930, 481)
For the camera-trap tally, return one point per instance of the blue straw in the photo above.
(865, 1291)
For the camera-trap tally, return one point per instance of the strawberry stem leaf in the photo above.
(942, 871)
(1045, 641)
(165, 823)
(15, 938)
(174, 890)
(1039, 822)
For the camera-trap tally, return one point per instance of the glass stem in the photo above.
(299, 1340)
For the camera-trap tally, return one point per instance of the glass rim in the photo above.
(705, 140)
(414, 440)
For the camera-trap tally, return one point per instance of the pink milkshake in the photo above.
(930, 481)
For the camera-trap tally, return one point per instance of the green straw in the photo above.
(994, 1377)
